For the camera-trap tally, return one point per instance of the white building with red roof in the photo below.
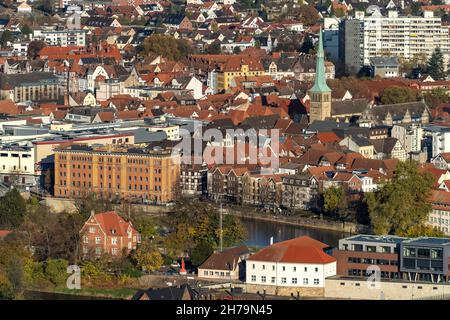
(298, 266)
(108, 233)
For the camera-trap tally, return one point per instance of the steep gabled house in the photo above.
(108, 233)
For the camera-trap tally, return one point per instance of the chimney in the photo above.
(271, 240)
(92, 212)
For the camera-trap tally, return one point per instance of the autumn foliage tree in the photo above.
(147, 258)
(13, 209)
(192, 222)
(401, 206)
(393, 95)
(166, 46)
(307, 14)
(34, 47)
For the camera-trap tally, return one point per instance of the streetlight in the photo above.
(229, 274)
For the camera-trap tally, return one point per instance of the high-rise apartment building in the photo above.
(367, 36)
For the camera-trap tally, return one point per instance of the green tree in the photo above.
(436, 97)
(416, 9)
(6, 37)
(421, 231)
(307, 45)
(12, 209)
(26, 30)
(214, 48)
(435, 65)
(166, 46)
(6, 288)
(193, 222)
(146, 226)
(332, 197)
(46, 6)
(335, 202)
(402, 203)
(13, 257)
(236, 50)
(201, 252)
(56, 271)
(393, 95)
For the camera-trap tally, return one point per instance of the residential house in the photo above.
(385, 67)
(439, 217)
(389, 148)
(360, 144)
(226, 265)
(183, 292)
(300, 191)
(296, 266)
(108, 233)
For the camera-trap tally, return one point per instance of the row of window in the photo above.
(98, 251)
(283, 268)
(217, 273)
(284, 280)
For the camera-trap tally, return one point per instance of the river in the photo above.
(260, 231)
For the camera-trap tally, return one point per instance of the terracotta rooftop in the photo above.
(298, 250)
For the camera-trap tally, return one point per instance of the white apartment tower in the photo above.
(394, 35)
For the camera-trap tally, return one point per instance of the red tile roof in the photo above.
(328, 137)
(4, 233)
(298, 250)
(112, 224)
(8, 107)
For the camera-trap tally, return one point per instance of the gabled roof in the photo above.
(298, 250)
(111, 223)
(184, 292)
(8, 107)
(226, 259)
(384, 145)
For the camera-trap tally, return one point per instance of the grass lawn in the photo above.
(115, 293)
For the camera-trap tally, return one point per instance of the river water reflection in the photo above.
(260, 231)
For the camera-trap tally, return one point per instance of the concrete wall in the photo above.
(285, 291)
(58, 205)
(389, 290)
(61, 204)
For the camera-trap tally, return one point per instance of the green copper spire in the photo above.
(320, 84)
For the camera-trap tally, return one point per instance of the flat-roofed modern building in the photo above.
(365, 36)
(62, 38)
(425, 259)
(408, 259)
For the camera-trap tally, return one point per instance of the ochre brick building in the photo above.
(116, 172)
(108, 233)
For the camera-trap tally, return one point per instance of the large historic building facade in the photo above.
(116, 172)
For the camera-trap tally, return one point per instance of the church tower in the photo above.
(320, 93)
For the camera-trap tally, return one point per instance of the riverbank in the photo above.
(59, 204)
(345, 227)
(82, 294)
